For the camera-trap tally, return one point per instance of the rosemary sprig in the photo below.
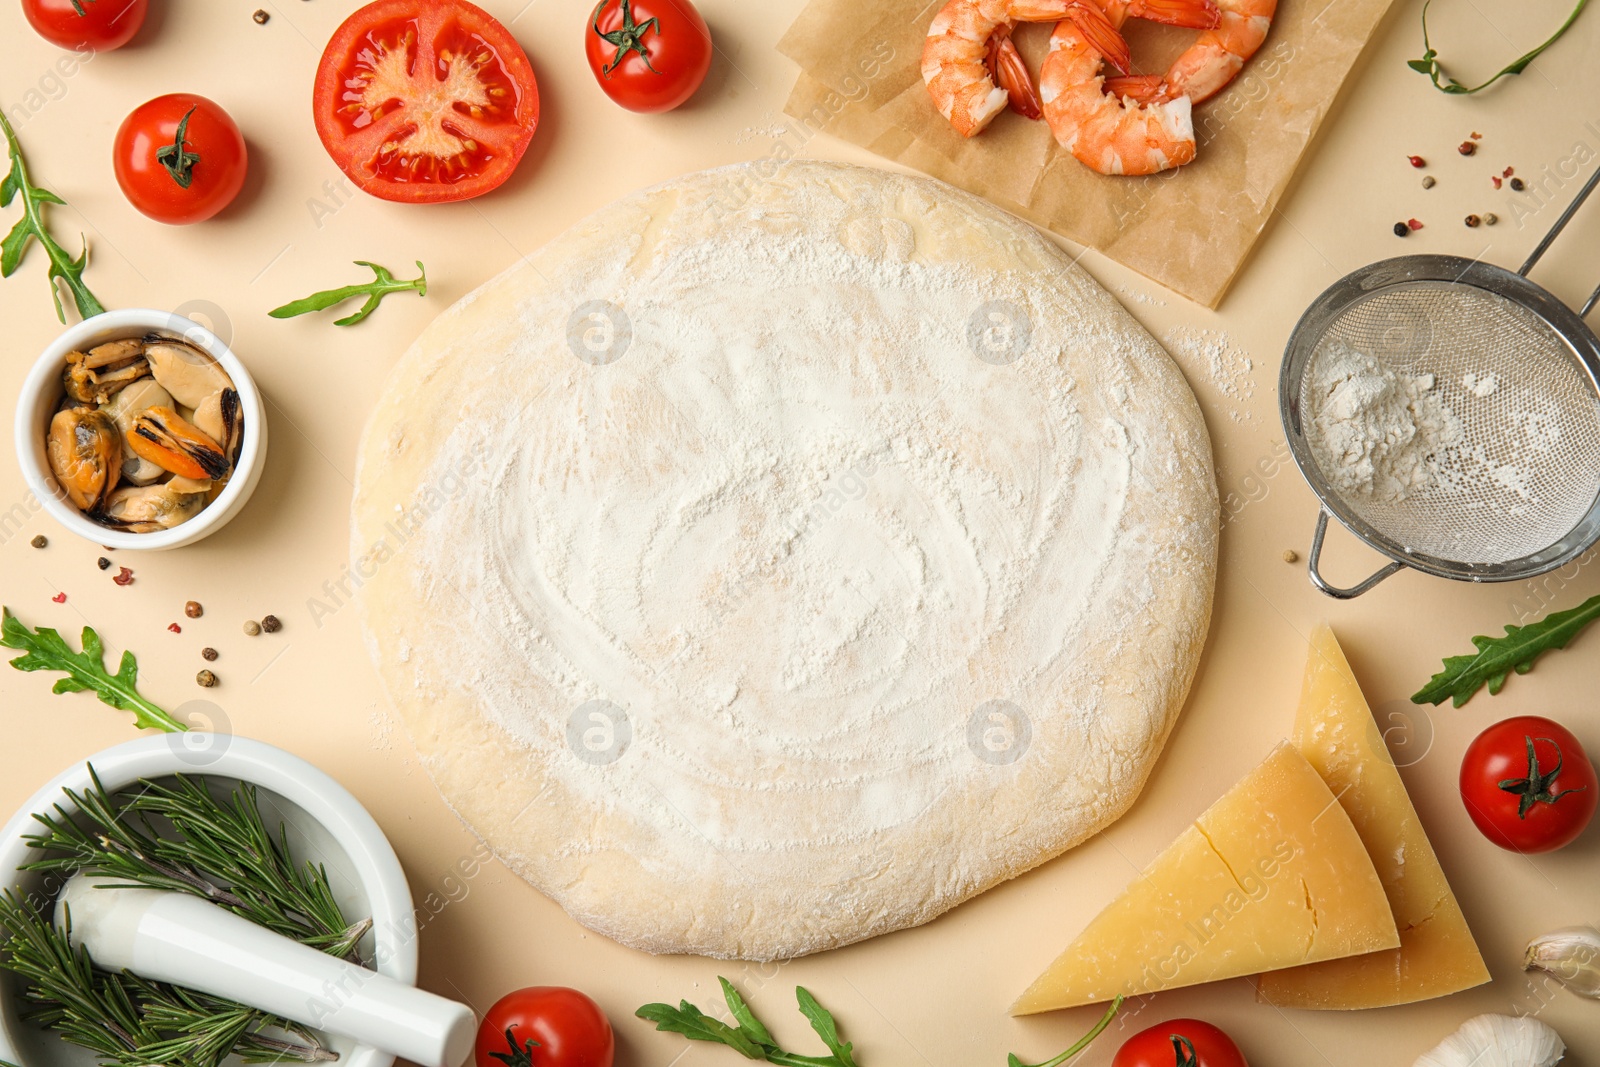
(383, 283)
(181, 836)
(127, 1021)
(31, 227)
(219, 850)
(47, 650)
(1429, 63)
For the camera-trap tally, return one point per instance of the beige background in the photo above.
(931, 996)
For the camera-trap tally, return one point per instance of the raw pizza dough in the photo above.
(783, 556)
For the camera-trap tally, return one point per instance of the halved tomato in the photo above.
(425, 101)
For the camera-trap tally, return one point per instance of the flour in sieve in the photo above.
(1380, 433)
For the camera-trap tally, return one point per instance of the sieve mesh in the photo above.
(1522, 473)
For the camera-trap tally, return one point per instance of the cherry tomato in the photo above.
(545, 1026)
(173, 183)
(648, 55)
(425, 101)
(98, 25)
(1528, 784)
(1179, 1043)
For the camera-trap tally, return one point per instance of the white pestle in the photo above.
(183, 940)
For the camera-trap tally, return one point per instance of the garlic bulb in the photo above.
(1572, 955)
(1497, 1041)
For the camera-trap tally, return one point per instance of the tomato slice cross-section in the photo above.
(425, 101)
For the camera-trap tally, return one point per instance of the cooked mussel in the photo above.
(94, 377)
(219, 418)
(149, 508)
(171, 442)
(126, 407)
(189, 374)
(85, 451)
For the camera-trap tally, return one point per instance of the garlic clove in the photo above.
(1497, 1041)
(1571, 955)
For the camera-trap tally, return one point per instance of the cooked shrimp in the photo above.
(969, 45)
(1113, 135)
(1209, 64)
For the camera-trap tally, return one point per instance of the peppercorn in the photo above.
(261, 17)
(1490, 218)
(103, 563)
(1290, 555)
(270, 624)
(1427, 181)
(1466, 148)
(251, 627)
(1518, 184)
(39, 541)
(193, 609)
(1417, 161)
(1473, 220)
(1401, 229)
(206, 679)
(124, 576)
(208, 654)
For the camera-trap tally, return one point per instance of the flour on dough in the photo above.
(785, 557)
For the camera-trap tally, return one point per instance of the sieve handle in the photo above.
(1323, 584)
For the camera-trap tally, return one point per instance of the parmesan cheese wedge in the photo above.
(1337, 734)
(1272, 875)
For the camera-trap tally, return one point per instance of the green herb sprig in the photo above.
(1429, 63)
(1498, 657)
(382, 284)
(47, 650)
(127, 1021)
(217, 849)
(190, 838)
(32, 227)
(1083, 1042)
(750, 1037)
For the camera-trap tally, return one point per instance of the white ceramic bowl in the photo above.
(41, 393)
(326, 825)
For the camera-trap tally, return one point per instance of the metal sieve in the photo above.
(1513, 488)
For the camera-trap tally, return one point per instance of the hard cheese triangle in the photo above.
(1272, 875)
(1336, 733)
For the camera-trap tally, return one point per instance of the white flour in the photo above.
(1230, 367)
(1379, 433)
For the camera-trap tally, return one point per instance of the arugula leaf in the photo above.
(748, 1023)
(1429, 63)
(382, 284)
(1082, 1043)
(1497, 657)
(46, 650)
(750, 1038)
(31, 227)
(822, 1022)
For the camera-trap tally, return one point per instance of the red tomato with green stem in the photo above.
(98, 25)
(648, 55)
(545, 1026)
(1179, 1043)
(425, 101)
(1529, 785)
(180, 158)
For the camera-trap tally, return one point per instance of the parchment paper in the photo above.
(1189, 229)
